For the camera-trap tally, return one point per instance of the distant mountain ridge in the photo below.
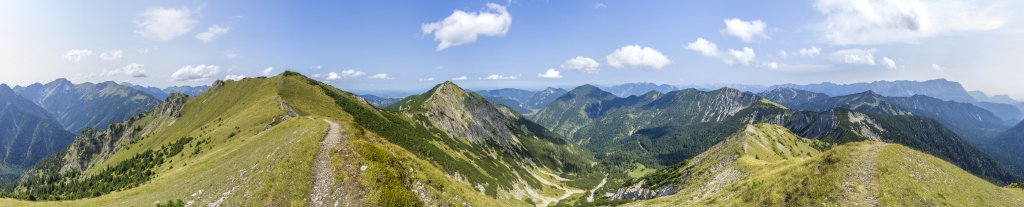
(522, 101)
(631, 89)
(938, 88)
(968, 120)
(163, 93)
(77, 106)
(379, 102)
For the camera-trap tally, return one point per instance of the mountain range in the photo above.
(522, 101)
(162, 93)
(95, 105)
(292, 140)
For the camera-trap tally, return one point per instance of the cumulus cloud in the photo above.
(267, 71)
(234, 77)
(744, 56)
(212, 33)
(600, 5)
(880, 22)
(637, 56)
(380, 76)
(745, 30)
(812, 51)
(460, 78)
(195, 73)
(707, 48)
(77, 55)
(112, 55)
(500, 77)
(855, 56)
(165, 24)
(427, 79)
(350, 73)
(581, 63)
(772, 65)
(936, 67)
(889, 63)
(551, 73)
(134, 70)
(464, 27)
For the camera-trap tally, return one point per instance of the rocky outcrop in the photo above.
(93, 145)
(638, 192)
(470, 117)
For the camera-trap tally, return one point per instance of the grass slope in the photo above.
(780, 169)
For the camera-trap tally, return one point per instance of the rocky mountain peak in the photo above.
(449, 88)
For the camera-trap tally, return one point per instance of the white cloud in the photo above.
(705, 47)
(381, 76)
(889, 63)
(581, 63)
(936, 67)
(772, 65)
(813, 51)
(731, 57)
(460, 78)
(464, 27)
(134, 70)
(427, 79)
(234, 77)
(855, 56)
(268, 71)
(551, 73)
(744, 56)
(332, 76)
(745, 30)
(880, 22)
(212, 33)
(195, 73)
(77, 55)
(350, 73)
(500, 77)
(112, 55)
(637, 56)
(165, 24)
(600, 5)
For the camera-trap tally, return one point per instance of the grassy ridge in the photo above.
(781, 169)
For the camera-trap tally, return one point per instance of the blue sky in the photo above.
(411, 45)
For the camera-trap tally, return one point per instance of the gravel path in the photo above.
(323, 174)
(599, 185)
(864, 175)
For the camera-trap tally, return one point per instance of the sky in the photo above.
(369, 46)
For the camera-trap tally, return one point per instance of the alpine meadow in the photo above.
(514, 103)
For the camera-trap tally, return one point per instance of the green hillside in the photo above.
(767, 165)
